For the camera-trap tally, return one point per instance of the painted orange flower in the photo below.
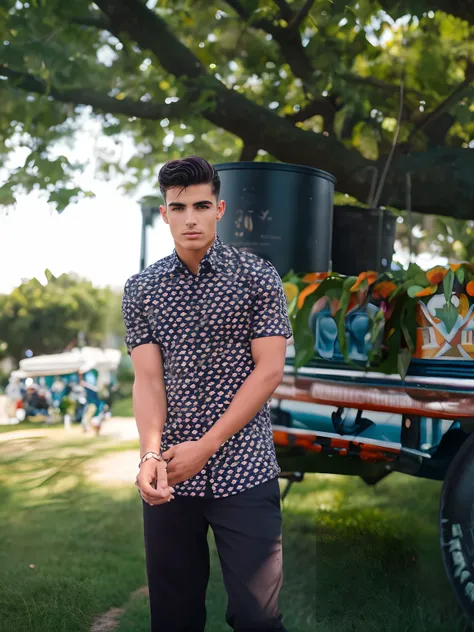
(314, 277)
(463, 305)
(436, 275)
(455, 266)
(370, 276)
(470, 288)
(352, 303)
(383, 289)
(309, 289)
(427, 291)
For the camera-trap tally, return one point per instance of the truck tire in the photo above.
(457, 525)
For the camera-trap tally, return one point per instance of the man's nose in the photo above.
(191, 218)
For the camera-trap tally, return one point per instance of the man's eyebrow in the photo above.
(195, 203)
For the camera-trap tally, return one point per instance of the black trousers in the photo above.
(247, 531)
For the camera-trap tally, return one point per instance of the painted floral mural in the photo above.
(381, 322)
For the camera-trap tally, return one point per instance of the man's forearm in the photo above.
(249, 399)
(150, 408)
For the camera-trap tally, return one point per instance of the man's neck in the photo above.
(192, 258)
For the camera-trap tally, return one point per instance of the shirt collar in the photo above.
(213, 257)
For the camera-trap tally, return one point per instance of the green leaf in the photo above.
(400, 289)
(305, 351)
(394, 342)
(292, 306)
(340, 316)
(6, 195)
(448, 282)
(340, 117)
(111, 130)
(403, 362)
(377, 329)
(414, 289)
(408, 323)
(416, 275)
(303, 336)
(460, 275)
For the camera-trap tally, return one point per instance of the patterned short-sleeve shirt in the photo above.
(204, 325)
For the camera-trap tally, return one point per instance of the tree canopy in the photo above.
(324, 83)
(52, 317)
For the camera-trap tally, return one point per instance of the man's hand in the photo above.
(186, 460)
(153, 473)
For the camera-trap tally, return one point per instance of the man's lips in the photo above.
(192, 233)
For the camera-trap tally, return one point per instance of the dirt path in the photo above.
(109, 621)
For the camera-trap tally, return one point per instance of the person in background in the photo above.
(35, 402)
(15, 394)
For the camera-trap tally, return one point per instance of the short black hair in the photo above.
(188, 171)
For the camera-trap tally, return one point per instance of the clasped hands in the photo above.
(183, 461)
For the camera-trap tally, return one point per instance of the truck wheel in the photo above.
(457, 525)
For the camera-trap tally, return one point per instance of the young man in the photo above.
(206, 330)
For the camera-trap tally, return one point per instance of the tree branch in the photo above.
(225, 108)
(298, 19)
(286, 11)
(435, 189)
(295, 54)
(260, 23)
(249, 153)
(380, 84)
(452, 99)
(97, 100)
(288, 40)
(323, 107)
(98, 21)
(463, 9)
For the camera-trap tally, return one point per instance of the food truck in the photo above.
(379, 374)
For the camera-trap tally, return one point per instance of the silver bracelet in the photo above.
(150, 455)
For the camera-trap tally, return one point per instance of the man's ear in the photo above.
(164, 213)
(221, 206)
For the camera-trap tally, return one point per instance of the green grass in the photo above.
(356, 558)
(123, 407)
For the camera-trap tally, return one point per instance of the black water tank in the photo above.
(280, 212)
(363, 239)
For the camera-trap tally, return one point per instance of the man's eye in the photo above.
(203, 207)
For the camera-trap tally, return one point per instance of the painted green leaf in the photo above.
(448, 282)
(403, 362)
(414, 289)
(448, 315)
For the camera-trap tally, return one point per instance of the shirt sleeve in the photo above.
(137, 327)
(269, 310)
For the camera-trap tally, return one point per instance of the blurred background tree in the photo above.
(63, 313)
(313, 82)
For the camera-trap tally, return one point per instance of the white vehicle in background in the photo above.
(76, 383)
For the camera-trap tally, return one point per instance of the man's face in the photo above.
(192, 215)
